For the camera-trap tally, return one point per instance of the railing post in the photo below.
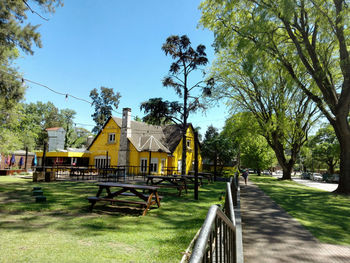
(220, 239)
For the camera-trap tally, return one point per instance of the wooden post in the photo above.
(43, 161)
(195, 165)
(149, 165)
(25, 162)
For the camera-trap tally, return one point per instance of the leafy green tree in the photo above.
(283, 112)
(67, 116)
(325, 147)
(256, 153)
(10, 133)
(186, 60)
(218, 149)
(104, 103)
(39, 116)
(17, 34)
(308, 39)
(251, 148)
(305, 158)
(137, 118)
(160, 112)
(25, 126)
(79, 137)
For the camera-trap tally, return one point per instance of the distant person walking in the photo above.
(245, 176)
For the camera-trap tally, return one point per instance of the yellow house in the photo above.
(141, 147)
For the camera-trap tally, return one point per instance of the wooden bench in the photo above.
(131, 194)
(179, 187)
(94, 199)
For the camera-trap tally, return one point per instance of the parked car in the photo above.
(335, 178)
(305, 176)
(331, 178)
(316, 177)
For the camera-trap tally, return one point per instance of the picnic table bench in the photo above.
(208, 176)
(127, 190)
(192, 178)
(177, 182)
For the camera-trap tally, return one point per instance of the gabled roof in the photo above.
(147, 137)
(173, 136)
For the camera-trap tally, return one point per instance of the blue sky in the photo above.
(117, 44)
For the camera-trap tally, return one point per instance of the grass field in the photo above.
(325, 215)
(62, 229)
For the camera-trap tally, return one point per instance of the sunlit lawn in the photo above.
(325, 215)
(62, 229)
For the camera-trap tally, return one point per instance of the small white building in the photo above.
(56, 138)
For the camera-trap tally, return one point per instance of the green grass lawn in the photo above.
(325, 215)
(62, 229)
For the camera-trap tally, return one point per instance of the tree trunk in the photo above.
(331, 164)
(184, 151)
(342, 131)
(287, 166)
(215, 166)
(287, 171)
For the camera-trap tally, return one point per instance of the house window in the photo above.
(188, 143)
(143, 165)
(100, 161)
(111, 137)
(154, 165)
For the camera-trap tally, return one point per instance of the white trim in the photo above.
(113, 137)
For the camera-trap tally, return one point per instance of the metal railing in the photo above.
(92, 172)
(220, 238)
(216, 240)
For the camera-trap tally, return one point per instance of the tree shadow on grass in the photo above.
(66, 209)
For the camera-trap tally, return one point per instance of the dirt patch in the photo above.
(122, 246)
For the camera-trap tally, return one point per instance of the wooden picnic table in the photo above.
(127, 190)
(208, 176)
(192, 178)
(173, 181)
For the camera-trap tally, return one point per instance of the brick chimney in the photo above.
(125, 133)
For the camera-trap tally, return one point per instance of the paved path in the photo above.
(323, 186)
(270, 235)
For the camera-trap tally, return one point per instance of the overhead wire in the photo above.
(33, 11)
(66, 95)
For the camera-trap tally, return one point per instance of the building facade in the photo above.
(150, 148)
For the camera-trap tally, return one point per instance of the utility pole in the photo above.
(25, 162)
